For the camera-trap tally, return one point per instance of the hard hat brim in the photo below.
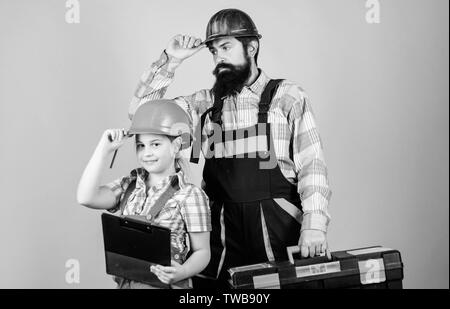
(219, 36)
(157, 132)
(186, 141)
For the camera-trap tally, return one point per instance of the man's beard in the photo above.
(232, 79)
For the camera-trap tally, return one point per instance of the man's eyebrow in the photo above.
(220, 45)
(224, 43)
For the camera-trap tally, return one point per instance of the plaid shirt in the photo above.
(187, 211)
(292, 124)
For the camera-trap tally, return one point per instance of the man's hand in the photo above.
(183, 46)
(312, 243)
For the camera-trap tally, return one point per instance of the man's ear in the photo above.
(253, 48)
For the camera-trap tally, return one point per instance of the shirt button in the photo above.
(176, 256)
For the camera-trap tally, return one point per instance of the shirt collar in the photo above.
(260, 83)
(140, 175)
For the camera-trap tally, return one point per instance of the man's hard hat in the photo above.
(230, 22)
(162, 117)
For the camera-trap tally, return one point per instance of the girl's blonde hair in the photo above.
(183, 164)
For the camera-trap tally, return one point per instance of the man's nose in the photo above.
(219, 59)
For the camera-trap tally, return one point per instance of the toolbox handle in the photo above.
(290, 252)
(296, 249)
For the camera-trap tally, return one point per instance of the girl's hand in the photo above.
(169, 274)
(113, 139)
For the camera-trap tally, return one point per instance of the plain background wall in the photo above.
(379, 93)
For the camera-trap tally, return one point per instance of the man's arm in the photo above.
(313, 185)
(154, 81)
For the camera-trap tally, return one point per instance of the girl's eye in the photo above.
(139, 145)
(156, 144)
(212, 51)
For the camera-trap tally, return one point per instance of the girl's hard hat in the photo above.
(162, 117)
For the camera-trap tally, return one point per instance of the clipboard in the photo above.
(132, 244)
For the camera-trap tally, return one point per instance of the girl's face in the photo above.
(156, 153)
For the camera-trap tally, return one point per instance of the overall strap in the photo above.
(159, 204)
(264, 107)
(216, 115)
(128, 191)
(266, 99)
(195, 150)
(162, 200)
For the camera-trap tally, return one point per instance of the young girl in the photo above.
(158, 129)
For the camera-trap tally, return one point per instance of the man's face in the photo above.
(232, 66)
(228, 50)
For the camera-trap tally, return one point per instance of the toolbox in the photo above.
(365, 268)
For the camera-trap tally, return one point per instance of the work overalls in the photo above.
(255, 210)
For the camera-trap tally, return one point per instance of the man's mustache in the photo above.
(223, 66)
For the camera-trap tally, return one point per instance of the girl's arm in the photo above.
(200, 256)
(198, 260)
(90, 193)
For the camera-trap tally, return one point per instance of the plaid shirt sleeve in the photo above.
(311, 169)
(118, 188)
(153, 85)
(195, 210)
